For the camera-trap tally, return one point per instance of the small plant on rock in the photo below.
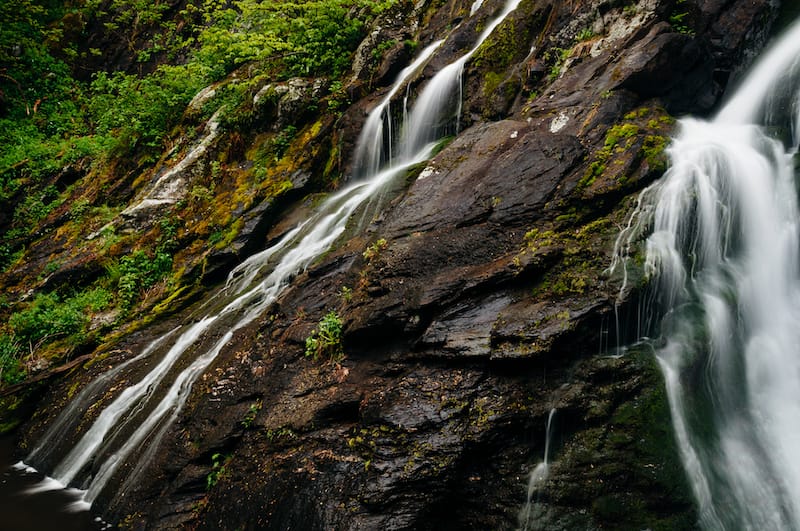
(218, 471)
(374, 250)
(325, 341)
(586, 34)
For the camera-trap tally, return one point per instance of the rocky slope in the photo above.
(478, 301)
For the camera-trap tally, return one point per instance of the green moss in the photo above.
(228, 235)
(620, 132)
(365, 440)
(654, 152)
(595, 170)
(500, 49)
(10, 413)
(582, 257)
(637, 138)
(642, 428)
(491, 81)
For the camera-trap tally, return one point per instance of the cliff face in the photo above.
(476, 304)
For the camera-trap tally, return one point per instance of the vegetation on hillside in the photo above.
(96, 88)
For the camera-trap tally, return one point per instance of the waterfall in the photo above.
(723, 256)
(428, 123)
(537, 477)
(130, 428)
(476, 5)
(376, 141)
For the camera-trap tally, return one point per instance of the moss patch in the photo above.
(631, 149)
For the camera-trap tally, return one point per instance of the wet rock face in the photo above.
(482, 304)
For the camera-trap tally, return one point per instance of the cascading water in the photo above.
(537, 478)
(376, 141)
(428, 123)
(137, 419)
(724, 252)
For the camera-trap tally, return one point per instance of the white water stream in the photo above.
(131, 426)
(537, 478)
(436, 106)
(724, 252)
(476, 5)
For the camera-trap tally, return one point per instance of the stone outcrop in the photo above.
(483, 304)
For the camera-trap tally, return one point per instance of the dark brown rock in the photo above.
(486, 307)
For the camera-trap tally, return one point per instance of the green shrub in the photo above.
(49, 318)
(141, 111)
(325, 341)
(137, 272)
(11, 370)
(308, 38)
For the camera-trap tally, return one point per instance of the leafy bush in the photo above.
(137, 272)
(307, 38)
(11, 370)
(49, 318)
(140, 111)
(326, 340)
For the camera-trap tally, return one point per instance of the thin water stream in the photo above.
(128, 428)
(536, 480)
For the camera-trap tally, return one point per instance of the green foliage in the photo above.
(11, 369)
(283, 140)
(37, 205)
(557, 57)
(140, 111)
(326, 340)
(50, 317)
(251, 414)
(48, 119)
(140, 270)
(337, 97)
(137, 272)
(218, 471)
(677, 19)
(305, 38)
(381, 48)
(374, 250)
(585, 34)
(30, 76)
(9, 254)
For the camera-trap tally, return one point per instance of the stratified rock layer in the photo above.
(485, 306)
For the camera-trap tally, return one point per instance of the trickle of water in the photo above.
(537, 478)
(724, 251)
